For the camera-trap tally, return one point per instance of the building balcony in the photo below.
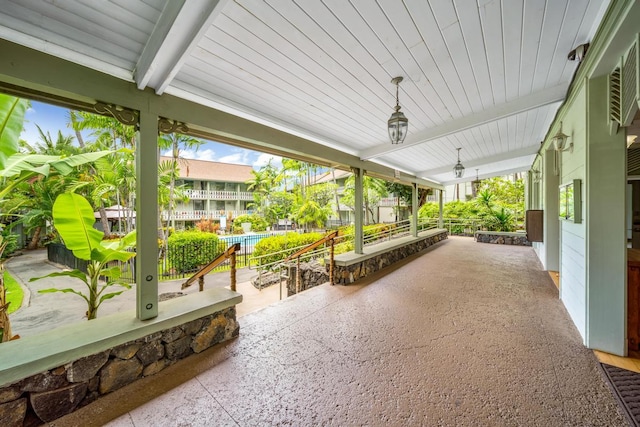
(199, 214)
(390, 201)
(218, 195)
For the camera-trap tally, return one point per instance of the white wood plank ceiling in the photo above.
(483, 75)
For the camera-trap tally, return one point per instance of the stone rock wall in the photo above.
(345, 275)
(312, 274)
(518, 239)
(49, 395)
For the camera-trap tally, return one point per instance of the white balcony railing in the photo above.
(390, 201)
(200, 214)
(218, 195)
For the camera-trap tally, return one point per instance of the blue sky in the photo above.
(53, 119)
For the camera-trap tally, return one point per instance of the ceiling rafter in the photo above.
(176, 34)
(508, 155)
(507, 109)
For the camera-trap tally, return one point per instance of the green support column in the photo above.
(441, 209)
(358, 203)
(414, 210)
(605, 200)
(146, 217)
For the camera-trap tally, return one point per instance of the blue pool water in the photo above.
(245, 239)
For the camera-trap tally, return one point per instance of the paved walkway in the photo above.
(465, 334)
(42, 312)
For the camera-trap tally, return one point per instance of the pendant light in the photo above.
(458, 169)
(398, 123)
(476, 183)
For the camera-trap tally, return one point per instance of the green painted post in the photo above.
(146, 217)
(359, 203)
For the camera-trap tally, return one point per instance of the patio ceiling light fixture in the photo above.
(458, 169)
(398, 123)
(476, 183)
(560, 140)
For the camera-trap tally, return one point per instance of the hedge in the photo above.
(285, 242)
(189, 250)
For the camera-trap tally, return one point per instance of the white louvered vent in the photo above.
(633, 161)
(614, 96)
(629, 89)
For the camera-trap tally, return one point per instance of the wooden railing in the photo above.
(296, 255)
(199, 276)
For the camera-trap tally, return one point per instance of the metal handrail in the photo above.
(307, 249)
(199, 275)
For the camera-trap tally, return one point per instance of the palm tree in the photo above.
(39, 206)
(62, 146)
(176, 142)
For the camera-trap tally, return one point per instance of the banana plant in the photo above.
(73, 218)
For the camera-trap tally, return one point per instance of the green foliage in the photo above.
(189, 250)
(495, 206)
(312, 213)
(279, 247)
(280, 206)
(12, 112)
(73, 218)
(10, 241)
(14, 293)
(258, 223)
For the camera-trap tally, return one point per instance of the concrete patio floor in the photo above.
(463, 334)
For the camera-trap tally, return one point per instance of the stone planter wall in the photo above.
(49, 395)
(502, 238)
(345, 275)
(312, 274)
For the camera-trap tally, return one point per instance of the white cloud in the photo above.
(206, 154)
(31, 110)
(263, 160)
(238, 156)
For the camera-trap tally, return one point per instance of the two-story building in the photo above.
(215, 190)
(386, 209)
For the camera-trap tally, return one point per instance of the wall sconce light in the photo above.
(398, 123)
(476, 183)
(560, 140)
(458, 169)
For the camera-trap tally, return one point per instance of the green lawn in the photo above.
(14, 292)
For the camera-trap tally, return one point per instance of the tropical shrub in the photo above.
(189, 250)
(73, 218)
(207, 226)
(279, 247)
(258, 223)
(10, 241)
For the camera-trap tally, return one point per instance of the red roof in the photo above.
(212, 171)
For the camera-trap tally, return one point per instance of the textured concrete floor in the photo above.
(464, 334)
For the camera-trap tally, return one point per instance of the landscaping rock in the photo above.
(126, 351)
(312, 274)
(44, 382)
(172, 334)
(53, 404)
(154, 368)
(118, 373)
(10, 393)
(12, 413)
(86, 368)
(192, 328)
(178, 349)
(151, 352)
